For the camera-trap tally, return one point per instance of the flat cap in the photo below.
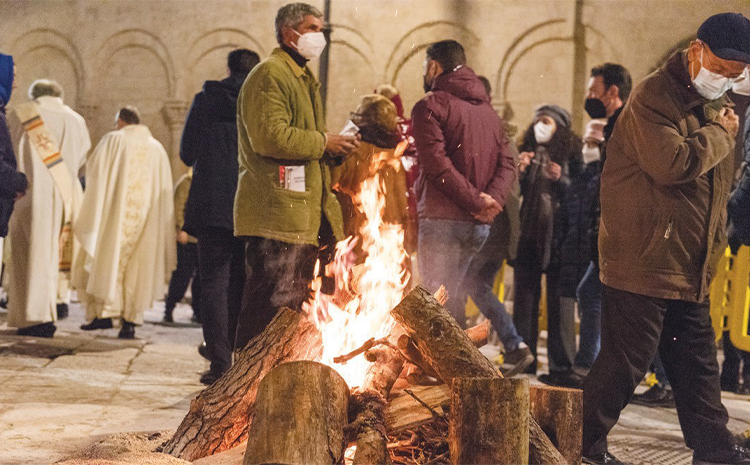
(728, 36)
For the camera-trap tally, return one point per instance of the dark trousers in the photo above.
(634, 327)
(222, 270)
(730, 369)
(187, 269)
(561, 344)
(278, 275)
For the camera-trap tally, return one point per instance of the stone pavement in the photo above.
(60, 395)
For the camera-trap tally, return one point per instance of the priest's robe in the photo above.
(33, 248)
(126, 226)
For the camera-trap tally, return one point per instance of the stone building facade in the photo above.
(155, 54)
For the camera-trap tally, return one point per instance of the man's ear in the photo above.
(613, 91)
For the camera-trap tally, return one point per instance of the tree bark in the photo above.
(301, 410)
(369, 407)
(219, 416)
(489, 421)
(451, 354)
(559, 412)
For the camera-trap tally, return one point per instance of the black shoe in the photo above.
(168, 317)
(98, 323)
(42, 330)
(62, 311)
(203, 350)
(210, 377)
(567, 379)
(656, 396)
(127, 331)
(517, 361)
(602, 459)
(736, 455)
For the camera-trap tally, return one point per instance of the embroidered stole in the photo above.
(41, 140)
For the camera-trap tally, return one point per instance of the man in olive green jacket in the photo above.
(284, 206)
(664, 192)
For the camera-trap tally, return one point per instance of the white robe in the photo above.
(126, 226)
(34, 230)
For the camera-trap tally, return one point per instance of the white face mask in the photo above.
(310, 44)
(590, 154)
(711, 85)
(742, 85)
(543, 132)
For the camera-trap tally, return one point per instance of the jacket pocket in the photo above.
(290, 210)
(657, 249)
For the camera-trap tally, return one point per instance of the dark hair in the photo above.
(486, 84)
(241, 61)
(129, 115)
(448, 53)
(614, 75)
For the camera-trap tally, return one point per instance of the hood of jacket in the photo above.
(6, 79)
(223, 95)
(462, 83)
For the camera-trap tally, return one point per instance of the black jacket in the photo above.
(11, 181)
(738, 207)
(209, 145)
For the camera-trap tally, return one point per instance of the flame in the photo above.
(365, 293)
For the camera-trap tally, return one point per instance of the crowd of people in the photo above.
(627, 222)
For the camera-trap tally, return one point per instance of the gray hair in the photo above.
(45, 87)
(292, 15)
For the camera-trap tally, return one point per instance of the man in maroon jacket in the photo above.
(465, 169)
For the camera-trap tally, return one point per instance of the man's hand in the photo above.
(553, 171)
(524, 160)
(729, 119)
(182, 237)
(340, 146)
(490, 209)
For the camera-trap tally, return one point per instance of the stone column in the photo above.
(175, 112)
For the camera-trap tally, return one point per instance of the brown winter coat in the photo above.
(664, 189)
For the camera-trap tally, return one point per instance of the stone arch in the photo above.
(206, 45)
(548, 31)
(136, 39)
(598, 41)
(42, 39)
(420, 37)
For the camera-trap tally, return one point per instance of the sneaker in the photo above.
(656, 396)
(41, 330)
(567, 379)
(736, 455)
(517, 361)
(602, 459)
(127, 331)
(62, 311)
(98, 323)
(210, 377)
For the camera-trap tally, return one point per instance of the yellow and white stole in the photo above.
(41, 140)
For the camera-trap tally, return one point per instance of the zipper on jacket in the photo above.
(668, 232)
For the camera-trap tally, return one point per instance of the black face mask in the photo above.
(595, 108)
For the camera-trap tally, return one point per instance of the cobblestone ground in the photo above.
(59, 395)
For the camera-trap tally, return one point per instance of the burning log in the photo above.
(282, 433)
(489, 421)
(219, 416)
(451, 354)
(559, 412)
(370, 402)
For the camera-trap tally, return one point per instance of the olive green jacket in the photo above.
(281, 123)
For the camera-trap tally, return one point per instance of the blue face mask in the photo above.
(6, 78)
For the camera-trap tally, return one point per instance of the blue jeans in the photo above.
(446, 248)
(478, 284)
(589, 295)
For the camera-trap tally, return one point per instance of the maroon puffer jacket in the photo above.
(461, 147)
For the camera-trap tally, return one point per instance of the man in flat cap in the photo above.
(664, 192)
